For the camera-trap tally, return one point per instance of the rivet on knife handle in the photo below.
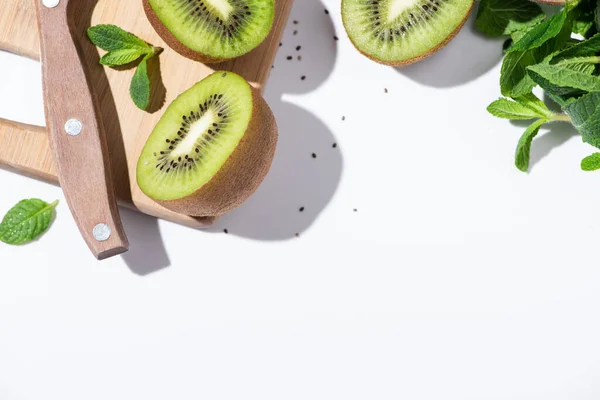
(77, 134)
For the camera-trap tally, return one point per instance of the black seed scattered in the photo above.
(334, 145)
(280, 44)
(272, 66)
(226, 231)
(289, 57)
(295, 22)
(299, 58)
(314, 155)
(301, 209)
(336, 38)
(298, 48)
(356, 210)
(303, 77)
(385, 90)
(297, 235)
(295, 32)
(327, 11)
(343, 118)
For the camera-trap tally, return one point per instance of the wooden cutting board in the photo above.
(26, 148)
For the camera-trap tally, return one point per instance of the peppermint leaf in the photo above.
(140, 85)
(524, 145)
(541, 33)
(508, 109)
(26, 221)
(584, 48)
(532, 102)
(120, 57)
(111, 38)
(124, 48)
(585, 116)
(562, 80)
(591, 162)
(506, 17)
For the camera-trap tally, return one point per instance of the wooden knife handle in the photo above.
(77, 136)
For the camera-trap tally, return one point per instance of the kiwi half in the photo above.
(211, 30)
(400, 32)
(211, 149)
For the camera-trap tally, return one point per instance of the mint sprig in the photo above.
(125, 48)
(560, 54)
(26, 221)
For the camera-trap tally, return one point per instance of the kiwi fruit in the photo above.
(211, 149)
(401, 32)
(211, 31)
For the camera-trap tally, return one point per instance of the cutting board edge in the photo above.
(42, 168)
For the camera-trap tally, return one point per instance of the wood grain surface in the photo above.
(26, 148)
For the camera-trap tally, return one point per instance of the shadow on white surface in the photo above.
(467, 57)
(147, 253)
(550, 137)
(307, 167)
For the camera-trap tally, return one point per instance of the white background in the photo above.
(458, 277)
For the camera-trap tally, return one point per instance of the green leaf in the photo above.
(585, 65)
(585, 18)
(561, 80)
(514, 80)
(585, 116)
(532, 102)
(121, 57)
(591, 162)
(111, 38)
(506, 17)
(541, 33)
(524, 145)
(508, 109)
(26, 221)
(585, 48)
(140, 85)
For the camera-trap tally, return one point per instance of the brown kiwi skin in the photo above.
(413, 60)
(172, 41)
(242, 173)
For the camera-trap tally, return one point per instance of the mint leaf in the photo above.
(584, 48)
(585, 65)
(532, 102)
(514, 80)
(121, 57)
(140, 85)
(508, 109)
(506, 17)
(585, 18)
(541, 33)
(124, 48)
(111, 38)
(26, 221)
(524, 146)
(585, 116)
(591, 163)
(562, 80)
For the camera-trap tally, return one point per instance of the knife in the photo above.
(76, 133)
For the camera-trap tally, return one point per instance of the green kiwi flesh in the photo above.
(212, 30)
(211, 148)
(399, 32)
